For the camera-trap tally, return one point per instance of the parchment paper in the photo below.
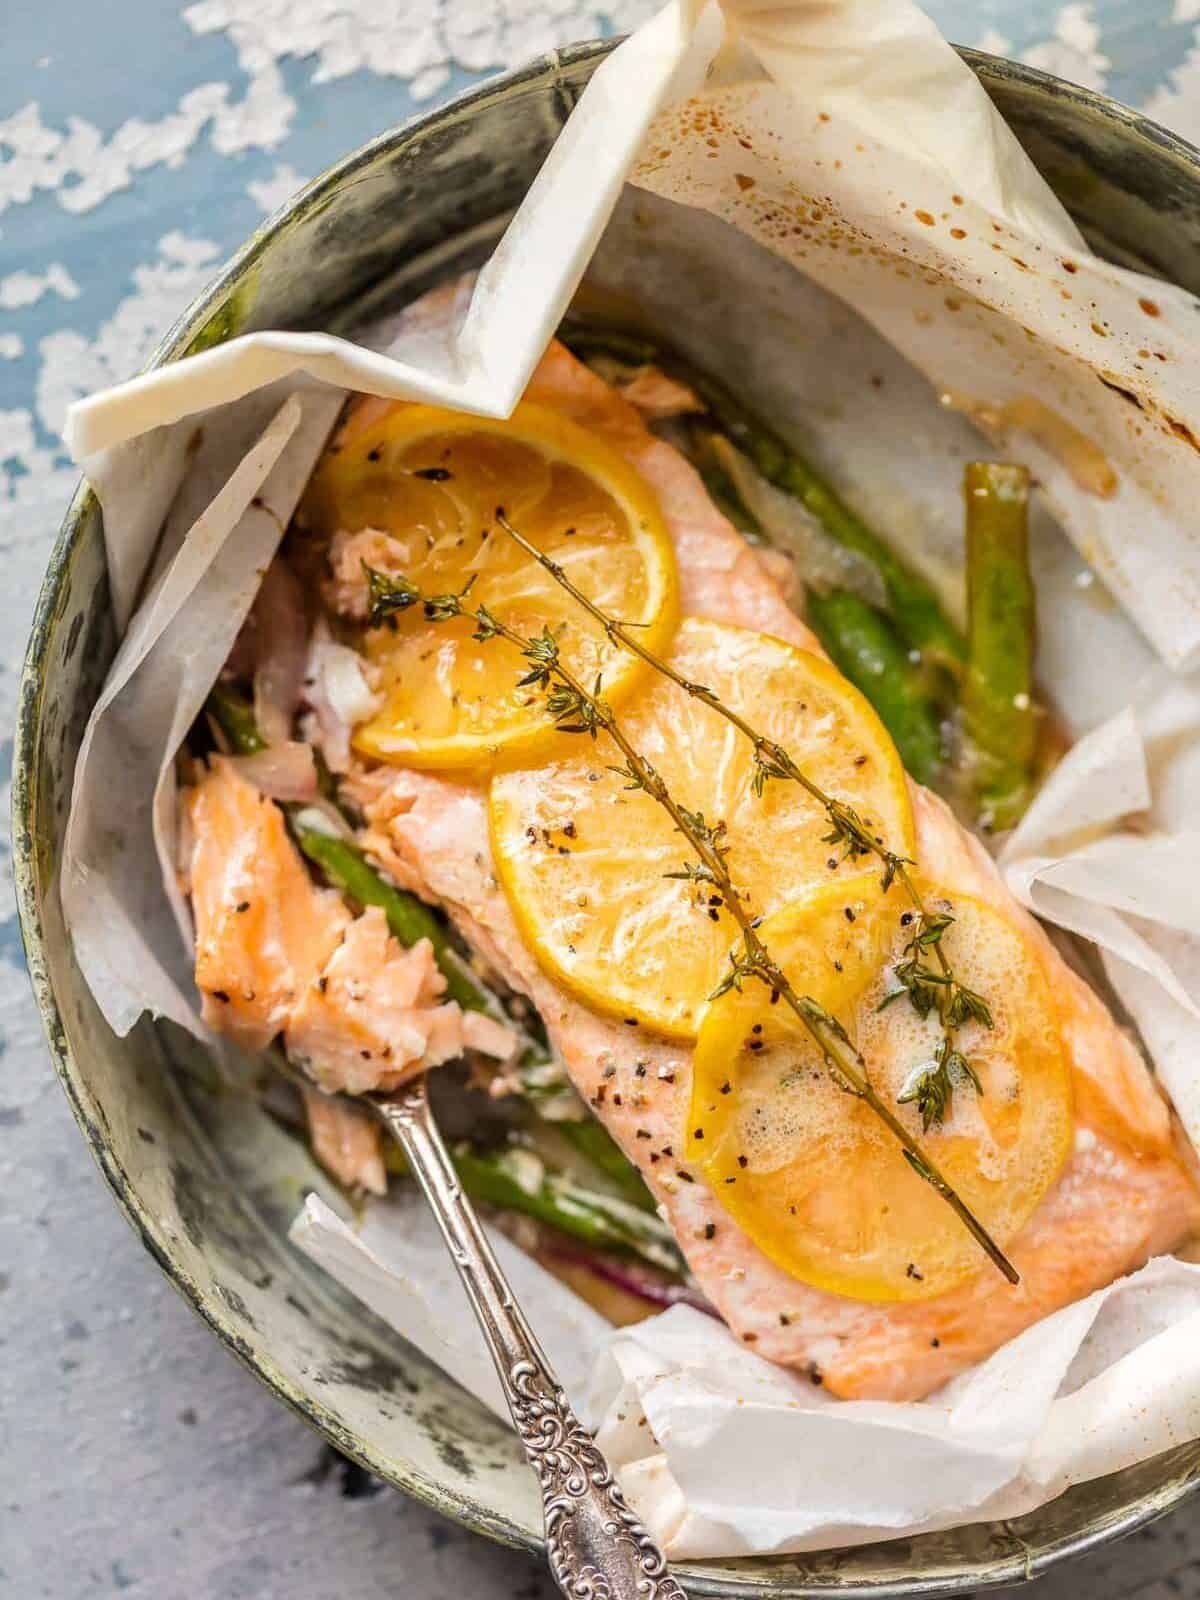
(1111, 850)
(396, 1262)
(739, 1457)
(724, 1454)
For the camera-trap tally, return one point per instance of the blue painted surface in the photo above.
(139, 57)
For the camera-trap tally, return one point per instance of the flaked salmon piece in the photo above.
(1127, 1191)
(489, 1037)
(338, 692)
(285, 771)
(263, 929)
(658, 396)
(346, 590)
(373, 1017)
(347, 1142)
(276, 955)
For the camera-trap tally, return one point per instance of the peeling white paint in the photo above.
(32, 474)
(17, 441)
(36, 484)
(22, 289)
(82, 167)
(1073, 52)
(270, 193)
(73, 365)
(1177, 102)
(12, 347)
(418, 40)
(994, 43)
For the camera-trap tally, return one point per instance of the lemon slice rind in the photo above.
(520, 732)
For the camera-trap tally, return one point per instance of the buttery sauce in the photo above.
(1083, 460)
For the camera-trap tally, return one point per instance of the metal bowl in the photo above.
(209, 1188)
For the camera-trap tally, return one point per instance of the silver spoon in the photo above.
(598, 1550)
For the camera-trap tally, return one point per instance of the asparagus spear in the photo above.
(915, 608)
(591, 1140)
(999, 717)
(550, 1098)
(862, 643)
(596, 1145)
(234, 715)
(516, 1180)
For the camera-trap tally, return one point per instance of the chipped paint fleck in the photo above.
(22, 289)
(1073, 50)
(270, 193)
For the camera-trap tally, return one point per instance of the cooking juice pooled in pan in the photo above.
(767, 1030)
(1086, 463)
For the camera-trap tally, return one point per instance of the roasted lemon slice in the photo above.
(431, 480)
(808, 1171)
(585, 860)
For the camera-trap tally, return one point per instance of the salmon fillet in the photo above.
(276, 955)
(263, 930)
(1127, 1191)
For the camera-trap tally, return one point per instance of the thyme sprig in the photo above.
(576, 709)
(931, 1086)
(929, 988)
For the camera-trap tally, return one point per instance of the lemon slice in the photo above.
(432, 480)
(584, 860)
(808, 1171)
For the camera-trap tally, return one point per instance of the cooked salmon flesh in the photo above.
(278, 956)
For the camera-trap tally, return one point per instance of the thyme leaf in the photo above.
(931, 1086)
(385, 596)
(741, 967)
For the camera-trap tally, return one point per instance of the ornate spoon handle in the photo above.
(598, 1550)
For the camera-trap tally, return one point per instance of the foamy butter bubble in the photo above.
(813, 1166)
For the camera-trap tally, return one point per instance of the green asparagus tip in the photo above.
(863, 645)
(999, 714)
